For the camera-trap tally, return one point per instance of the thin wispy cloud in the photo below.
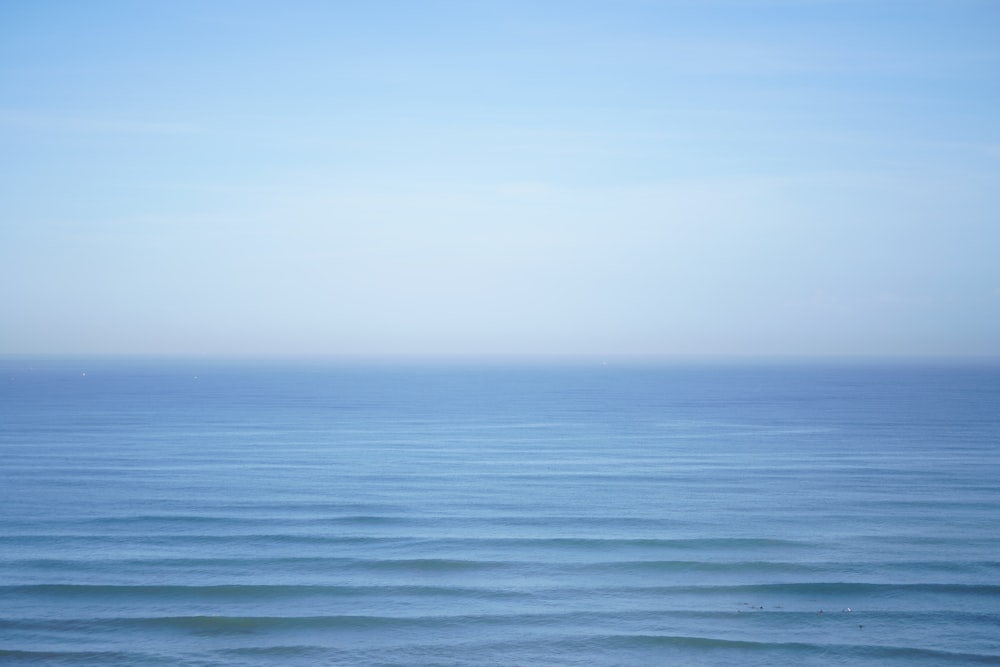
(48, 122)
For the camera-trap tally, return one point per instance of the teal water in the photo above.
(208, 512)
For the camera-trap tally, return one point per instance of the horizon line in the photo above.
(501, 357)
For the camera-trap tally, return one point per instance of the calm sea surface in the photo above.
(206, 512)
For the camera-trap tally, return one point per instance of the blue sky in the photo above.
(721, 177)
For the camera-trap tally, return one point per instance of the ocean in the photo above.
(524, 512)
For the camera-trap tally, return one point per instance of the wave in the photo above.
(653, 542)
(11, 657)
(318, 538)
(667, 566)
(221, 625)
(149, 521)
(831, 651)
(293, 563)
(526, 619)
(833, 589)
(279, 652)
(657, 647)
(327, 563)
(180, 539)
(236, 592)
(792, 595)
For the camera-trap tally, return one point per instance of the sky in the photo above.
(628, 177)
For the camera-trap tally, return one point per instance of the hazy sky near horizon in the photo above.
(475, 176)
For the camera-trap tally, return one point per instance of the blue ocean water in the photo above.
(211, 512)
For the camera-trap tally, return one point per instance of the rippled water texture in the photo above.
(206, 512)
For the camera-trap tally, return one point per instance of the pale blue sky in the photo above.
(632, 177)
